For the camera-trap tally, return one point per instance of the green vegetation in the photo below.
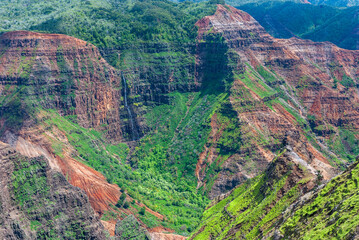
(33, 192)
(336, 3)
(170, 196)
(256, 84)
(156, 39)
(347, 81)
(121, 200)
(331, 213)
(259, 206)
(255, 206)
(108, 23)
(160, 170)
(345, 143)
(142, 211)
(318, 23)
(28, 186)
(129, 228)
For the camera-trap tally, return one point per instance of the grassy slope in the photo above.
(253, 207)
(330, 213)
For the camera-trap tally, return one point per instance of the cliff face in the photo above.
(63, 73)
(51, 76)
(283, 90)
(38, 202)
(311, 68)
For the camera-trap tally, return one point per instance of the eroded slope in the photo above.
(38, 202)
(281, 86)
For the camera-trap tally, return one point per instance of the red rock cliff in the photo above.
(66, 74)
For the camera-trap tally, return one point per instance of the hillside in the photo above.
(153, 108)
(37, 201)
(333, 3)
(257, 208)
(336, 3)
(286, 202)
(317, 23)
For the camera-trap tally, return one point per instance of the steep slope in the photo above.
(336, 3)
(63, 73)
(251, 209)
(317, 23)
(38, 202)
(283, 87)
(43, 75)
(179, 118)
(333, 3)
(329, 212)
(285, 202)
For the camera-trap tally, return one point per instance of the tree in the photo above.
(121, 200)
(142, 210)
(126, 205)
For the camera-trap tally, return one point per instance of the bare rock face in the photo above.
(276, 82)
(37, 202)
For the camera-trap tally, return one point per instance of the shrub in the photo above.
(126, 205)
(142, 211)
(121, 200)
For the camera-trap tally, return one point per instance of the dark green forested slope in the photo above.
(318, 23)
(336, 3)
(107, 23)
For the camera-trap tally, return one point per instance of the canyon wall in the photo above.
(283, 90)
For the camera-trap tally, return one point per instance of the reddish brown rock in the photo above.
(66, 74)
(305, 71)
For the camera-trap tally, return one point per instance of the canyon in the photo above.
(193, 122)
